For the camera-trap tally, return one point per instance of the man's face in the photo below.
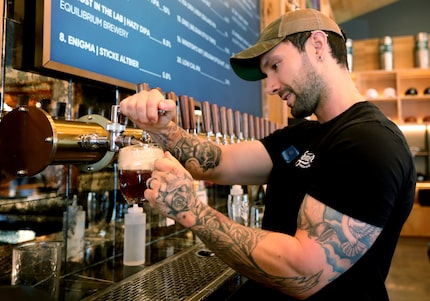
(291, 75)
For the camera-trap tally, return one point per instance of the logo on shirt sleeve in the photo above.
(306, 160)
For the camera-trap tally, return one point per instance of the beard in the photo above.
(308, 93)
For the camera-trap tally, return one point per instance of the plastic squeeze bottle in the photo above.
(238, 205)
(134, 236)
(74, 230)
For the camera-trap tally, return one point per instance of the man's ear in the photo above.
(318, 40)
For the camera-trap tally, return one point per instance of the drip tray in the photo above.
(191, 275)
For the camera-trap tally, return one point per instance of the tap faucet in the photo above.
(115, 129)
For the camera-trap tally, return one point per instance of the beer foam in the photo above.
(138, 158)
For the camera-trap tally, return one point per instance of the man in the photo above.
(339, 189)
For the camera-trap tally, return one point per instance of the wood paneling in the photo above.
(366, 53)
(345, 10)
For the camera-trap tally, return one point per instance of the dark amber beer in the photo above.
(135, 166)
(133, 183)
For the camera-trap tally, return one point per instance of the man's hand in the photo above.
(171, 191)
(143, 109)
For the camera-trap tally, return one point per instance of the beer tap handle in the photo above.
(193, 124)
(257, 128)
(115, 114)
(230, 125)
(185, 112)
(237, 125)
(266, 127)
(262, 128)
(245, 126)
(251, 127)
(172, 96)
(223, 117)
(215, 121)
(142, 87)
(206, 117)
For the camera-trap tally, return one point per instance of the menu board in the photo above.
(182, 46)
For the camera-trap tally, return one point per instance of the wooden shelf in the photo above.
(400, 107)
(384, 99)
(366, 53)
(418, 223)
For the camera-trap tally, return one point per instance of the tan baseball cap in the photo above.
(246, 64)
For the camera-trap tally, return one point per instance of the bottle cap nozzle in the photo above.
(135, 209)
(236, 190)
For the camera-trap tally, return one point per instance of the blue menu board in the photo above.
(182, 46)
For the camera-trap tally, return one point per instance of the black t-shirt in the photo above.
(358, 164)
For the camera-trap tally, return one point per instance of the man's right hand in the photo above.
(143, 110)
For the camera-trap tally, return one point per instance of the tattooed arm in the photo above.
(326, 244)
(203, 159)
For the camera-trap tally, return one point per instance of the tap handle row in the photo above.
(218, 120)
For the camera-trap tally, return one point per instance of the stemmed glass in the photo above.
(135, 166)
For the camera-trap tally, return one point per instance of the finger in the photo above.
(173, 162)
(164, 163)
(155, 98)
(140, 106)
(150, 196)
(134, 107)
(127, 106)
(168, 155)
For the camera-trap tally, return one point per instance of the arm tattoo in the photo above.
(193, 152)
(235, 245)
(218, 233)
(344, 239)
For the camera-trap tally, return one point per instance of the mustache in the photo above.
(285, 91)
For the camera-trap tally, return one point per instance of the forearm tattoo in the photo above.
(235, 244)
(194, 153)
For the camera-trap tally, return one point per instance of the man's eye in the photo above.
(275, 66)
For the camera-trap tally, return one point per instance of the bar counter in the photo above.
(177, 265)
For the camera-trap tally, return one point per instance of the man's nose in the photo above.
(272, 85)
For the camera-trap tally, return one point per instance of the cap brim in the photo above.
(246, 64)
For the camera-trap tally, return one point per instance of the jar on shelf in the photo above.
(386, 53)
(421, 50)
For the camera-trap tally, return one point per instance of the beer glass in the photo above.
(135, 166)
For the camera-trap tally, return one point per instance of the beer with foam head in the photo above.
(135, 166)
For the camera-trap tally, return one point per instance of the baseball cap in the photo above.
(246, 64)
